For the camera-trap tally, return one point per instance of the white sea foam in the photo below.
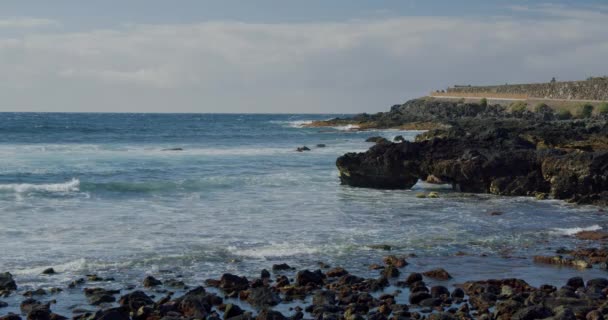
(274, 250)
(348, 127)
(69, 186)
(575, 230)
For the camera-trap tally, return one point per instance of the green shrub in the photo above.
(585, 111)
(483, 102)
(541, 107)
(518, 106)
(603, 108)
(564, 115)
(461, 100)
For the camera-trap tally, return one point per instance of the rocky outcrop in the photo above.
(566, 160)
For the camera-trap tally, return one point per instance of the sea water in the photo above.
(105, 194)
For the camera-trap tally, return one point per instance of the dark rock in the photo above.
(398, 262)
(281, 267)
(49, 271)
(263, 296)
(439, 274)
(576, 282)
(531, 313)
(135, 300)
(413, 278)
(336, 272)
(196, 303)
(174, 283)
(390, 271)
(10, 316)
(307, 277)
(119, 313)
(265, 274)
(173, 149)
(29, 305)
(267, 314)
(150, 282)
(439, 291)
(7, 283)
(3, 304)
(230, 282)
(322, 297)
(594, 315)
(97, 296)
(399, 139)
(458, 293)
(417, 297)
(321, 145)
(377, 139)
(37, 292)
(232, 311)
(598, 282)
(302, 149)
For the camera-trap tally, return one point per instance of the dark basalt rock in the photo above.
(302, 149)
(7, 283)
(48, 271)
(230, 282)
(566, 160)
(150, 282)
(135, 300)
(281, 267)
(307, 277)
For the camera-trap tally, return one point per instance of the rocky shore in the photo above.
(398, 292)
(482, 148)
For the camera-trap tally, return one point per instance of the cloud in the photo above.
(15, 23)
(349, 66)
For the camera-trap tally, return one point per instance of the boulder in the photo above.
(7, 283)
(307, 277)
(439, 274)
(135, 300)
(230, 282)
(150, 282)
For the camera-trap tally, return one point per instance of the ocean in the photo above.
(101, 194)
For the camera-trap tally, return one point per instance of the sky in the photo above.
(284, 56)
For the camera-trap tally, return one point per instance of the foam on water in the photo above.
(574, 230)
(69, 186)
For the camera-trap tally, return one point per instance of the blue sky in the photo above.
(283, 56)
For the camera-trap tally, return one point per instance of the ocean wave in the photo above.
(293, 123)
(69, 186)
(348, 127)
(574, 230)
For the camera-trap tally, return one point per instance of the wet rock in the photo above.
(576, 282)
(267, 314)
(97, 296)
(390, 271)
(264, 274)
(601, 283)
(591, 235)
(150, 282)
(135, 300)
(37, 292)
(506, 309)
(94, 278)
(263, 296)
(384, 247)
(399, 139)
(281, 267)
(323, 297)
(439, 291)
(3, 304)
(48, 271)
(173, 149)
(196, 303)
(174, 283)
(76, 283)
(561, 261)
(413, 278)
(232, 311)
(230, 282)
(307, 277)
(119, 313)
(377, 139)
(563, 313)
(10, 316)
(417, 297)
(531, 313)
(29, 305)
(392, 260)
(439, 274)
(7, 283)
(321, 145)
(302, 149)
(458, 293)
(336, 272)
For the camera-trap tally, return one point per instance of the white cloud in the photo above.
(23, 22)
(352, 66)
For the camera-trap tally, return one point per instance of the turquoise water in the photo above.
(96, 193)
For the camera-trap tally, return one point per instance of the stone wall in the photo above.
(595, 89)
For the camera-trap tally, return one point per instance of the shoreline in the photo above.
(396, 286)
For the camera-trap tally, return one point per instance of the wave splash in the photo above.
(69, 186)
(575, 230)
